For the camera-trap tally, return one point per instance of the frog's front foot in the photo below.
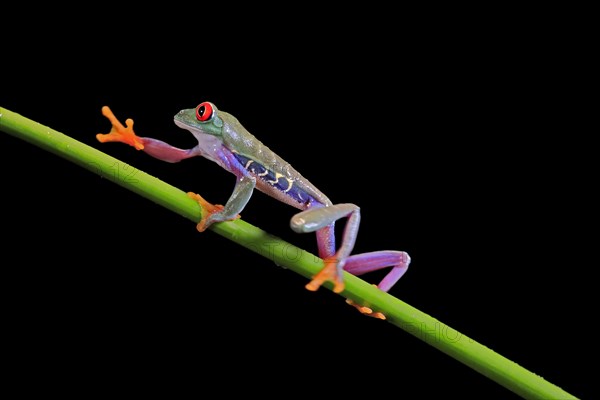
(330, 272)
(118, 132)
(208, 210)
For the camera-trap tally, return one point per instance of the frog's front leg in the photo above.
(163, 151)
(155, 148)
(240, 196)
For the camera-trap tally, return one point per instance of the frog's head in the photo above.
(204, 119)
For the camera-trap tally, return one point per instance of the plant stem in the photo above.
(464, 349)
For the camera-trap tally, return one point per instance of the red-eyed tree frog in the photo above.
(222, 139)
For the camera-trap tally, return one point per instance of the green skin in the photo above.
(223, 140)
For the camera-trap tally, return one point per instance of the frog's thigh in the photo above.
(313, 219)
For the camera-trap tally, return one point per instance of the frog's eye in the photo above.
(204, 111)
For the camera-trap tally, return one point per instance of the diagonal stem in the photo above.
(464, 349)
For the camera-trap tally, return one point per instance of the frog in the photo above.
(223, 140)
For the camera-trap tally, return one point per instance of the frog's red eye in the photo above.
(204, 111)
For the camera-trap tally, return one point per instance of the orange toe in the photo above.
(118, 132)
(330, 272)
(208, 209)
(366, 310)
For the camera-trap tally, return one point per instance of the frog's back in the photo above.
(274, 176)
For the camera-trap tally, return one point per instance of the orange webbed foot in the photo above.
(118, 132)
(330, 272)
(366, 310)
(208, 209)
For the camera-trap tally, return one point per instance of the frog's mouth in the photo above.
(198, 133)
(182, 124)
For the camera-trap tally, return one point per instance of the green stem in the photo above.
(464, 349)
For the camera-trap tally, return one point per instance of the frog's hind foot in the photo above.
(366, 310)
(330, 272)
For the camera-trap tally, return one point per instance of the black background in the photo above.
(443, 139)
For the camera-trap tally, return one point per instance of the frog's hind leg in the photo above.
(366, 262)
(359, 264)
(321, 219)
